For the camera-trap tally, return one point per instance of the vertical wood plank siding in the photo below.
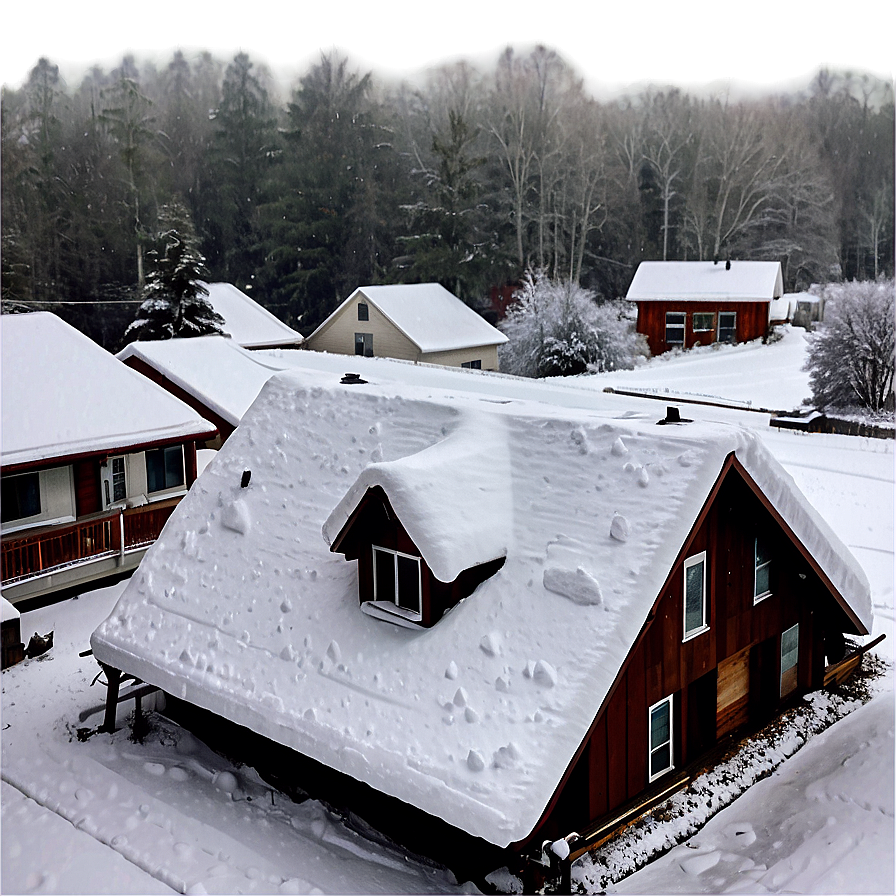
(752, 321)
(612, 767)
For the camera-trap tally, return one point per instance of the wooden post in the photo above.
(113, 677)
(121, 532)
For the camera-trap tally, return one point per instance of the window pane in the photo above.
(155, 471)
(20, 497)
(727, 326)
(762, 554)
(384, 575)
(174, 466)
(363, 311)
(659, 725)
(693, 614)
(790, 648)
(675, 327)
(762, 580)
(359, 344)
(119, 483)
(703, 321)
(660, 760)
(409, 583)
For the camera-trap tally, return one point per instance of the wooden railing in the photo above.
(48, 549)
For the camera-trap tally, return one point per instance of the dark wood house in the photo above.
(542, 613)
(95, 458)
(682, 304)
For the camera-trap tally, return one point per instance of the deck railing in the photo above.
(45, 550)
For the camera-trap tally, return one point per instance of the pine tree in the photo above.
(176, 303)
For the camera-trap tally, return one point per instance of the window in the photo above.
(695, 616)
(703, 321)
(364, 344)
(790, 651)
(660, 716)
(164, 468)
(675, 327)
(363, 311)
(762, 563)
(728, 326)
(472, 365)
(20, 496)
(114, 478)
(396, 579)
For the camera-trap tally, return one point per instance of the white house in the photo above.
(420, 322)
(248, 323)
(502, 616)
(94, 458)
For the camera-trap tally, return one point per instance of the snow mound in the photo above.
(620, 528)
(236, 517)
(577, 585)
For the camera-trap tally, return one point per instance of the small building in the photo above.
(686, 303)
(485, 622)
(94, 458)
(248, 323)
(420, 322)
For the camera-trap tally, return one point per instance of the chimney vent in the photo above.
(672, 416)
(352, 379)
(247, 475)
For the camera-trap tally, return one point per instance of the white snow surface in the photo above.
(249, 324)
(217, 371)
(746, 281)
(9, 612)
(263, 627)
(434, 319)
(63, 394)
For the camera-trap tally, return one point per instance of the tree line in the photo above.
(469, 179)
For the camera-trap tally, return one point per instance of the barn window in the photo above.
(20, 497)
(472, 365)
(660, 724)
(164, 468)
(703, 321)
(396, 580)
(790, 651)
(695, 616)
(364, 344)
(675, 327)
(762, 563)
(728, 326)
(363, 311)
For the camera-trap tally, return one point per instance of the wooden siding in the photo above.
(752, 321)
(87, 487)
(734, 665)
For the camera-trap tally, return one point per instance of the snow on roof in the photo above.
(248, 323)
(433, 319)
(460, 485)
(241, 608)
(7, 611)
(745, 281)
(214, 369)
(62, 394)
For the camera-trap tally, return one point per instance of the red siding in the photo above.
(752, 321)
(87, 487)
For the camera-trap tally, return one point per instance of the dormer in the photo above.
(426, 529)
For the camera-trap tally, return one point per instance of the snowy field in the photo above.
(110, 816)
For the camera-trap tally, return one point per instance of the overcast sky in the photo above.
(613, 44)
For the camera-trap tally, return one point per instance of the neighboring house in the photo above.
(686, 303)
(248, 323)
(420, 322)
(506, 619)
(94, 458)
(806, 308)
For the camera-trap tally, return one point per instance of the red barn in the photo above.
(686, 303)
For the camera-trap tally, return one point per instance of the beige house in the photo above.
(420, 322)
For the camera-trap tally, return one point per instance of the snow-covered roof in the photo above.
(7, 611)
(429, 315)
(62, 394)
(223, 376)
(744, 281)
(240, 607)
(248, 323)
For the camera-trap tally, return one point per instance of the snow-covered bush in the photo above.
(556, 328)
(175, 303)
(851, 357)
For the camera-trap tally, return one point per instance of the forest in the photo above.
(470, 178)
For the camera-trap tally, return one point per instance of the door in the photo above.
(733, 693)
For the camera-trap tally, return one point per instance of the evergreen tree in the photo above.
(176, 303)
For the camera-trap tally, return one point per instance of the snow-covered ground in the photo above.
(108, 815)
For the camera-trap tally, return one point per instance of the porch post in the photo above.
(121, 532)
(113, 677)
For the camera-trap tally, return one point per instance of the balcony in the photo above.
(45, 551)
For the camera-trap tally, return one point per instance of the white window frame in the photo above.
(733, 326)
(683, 325)
(712, 321)
(704, 626)
(107, 481)
(671, 741)
(760, 596)
(417, 615)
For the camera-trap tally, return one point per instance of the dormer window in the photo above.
(363, 311)
(397, 580)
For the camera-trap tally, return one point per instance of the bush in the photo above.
(556, 328)
(851, 356)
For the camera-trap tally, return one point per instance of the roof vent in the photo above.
(352, 379)
(672, 416)
(728, 264)
(244, 480)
